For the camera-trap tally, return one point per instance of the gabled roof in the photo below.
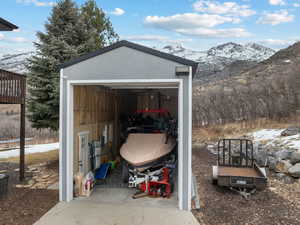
(135, 46)
(6, 26)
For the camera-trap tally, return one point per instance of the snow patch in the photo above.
(272, 137)
(30, 149)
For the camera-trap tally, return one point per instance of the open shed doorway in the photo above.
(99, 112)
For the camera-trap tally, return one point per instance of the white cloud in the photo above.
(277, 2)
(215, 33)
(275, 18)
(18, 40)
(227, 8)
(188, 20)
(278, 42)
(118, 12)
(150, 37)
(37, 2)
(296, 5)
(203, 22)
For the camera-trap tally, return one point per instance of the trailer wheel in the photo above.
(214, 181)
(125, 172)
(215, 175)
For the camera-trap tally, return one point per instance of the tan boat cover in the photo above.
(141, 148)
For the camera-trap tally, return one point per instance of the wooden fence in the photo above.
(12, 88)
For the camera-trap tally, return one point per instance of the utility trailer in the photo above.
(236, 167)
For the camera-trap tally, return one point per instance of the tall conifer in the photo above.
(69, 33)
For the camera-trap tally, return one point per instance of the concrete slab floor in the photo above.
(124, 196)
(82, 212)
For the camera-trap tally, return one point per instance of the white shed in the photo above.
(96, 88)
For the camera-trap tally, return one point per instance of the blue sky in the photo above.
(196, 24)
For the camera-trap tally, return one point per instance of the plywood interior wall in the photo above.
(168, 100)
(94, 107)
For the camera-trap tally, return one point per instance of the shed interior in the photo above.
(99, 110)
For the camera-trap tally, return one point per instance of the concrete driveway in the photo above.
(84, 212)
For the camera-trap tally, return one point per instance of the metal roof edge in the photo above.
(124, 43)
(8, 24)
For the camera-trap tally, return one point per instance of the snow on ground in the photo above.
(266, 134)
(29, 150)
(14, 140)
(273, 137)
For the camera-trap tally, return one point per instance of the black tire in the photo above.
(125, 172)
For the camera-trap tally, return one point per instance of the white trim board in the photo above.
(180, 146)
(70, 129)
(190, 138)
(124, 81)
(60, 135)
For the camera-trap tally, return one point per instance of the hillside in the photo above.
(285, 63)
(222, 60)
(269, 89)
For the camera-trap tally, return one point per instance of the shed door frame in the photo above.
(70, 132)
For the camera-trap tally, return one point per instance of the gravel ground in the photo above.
(276, 205)
(24, 206)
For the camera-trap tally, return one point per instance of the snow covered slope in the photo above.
(14, 62)
(227, 52)
(223, 60)
(180, 51)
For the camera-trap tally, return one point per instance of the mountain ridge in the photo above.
(212, 62)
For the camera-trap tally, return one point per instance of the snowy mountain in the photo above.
(180, 51)
(218, 61)
(228, 51)
(250, 51)
(15, 62)
(224, 59)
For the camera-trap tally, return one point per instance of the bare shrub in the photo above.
(10, 129)
(275, 97)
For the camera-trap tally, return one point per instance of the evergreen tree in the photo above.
(94, 18)
(69, 33)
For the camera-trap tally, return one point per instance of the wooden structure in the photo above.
(6, 26)
(13, 91)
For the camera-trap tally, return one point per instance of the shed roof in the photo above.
(135, 46)
(6, 26)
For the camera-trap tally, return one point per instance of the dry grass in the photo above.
(10, 128)
(35, 158)
(9, 108)
(231, 130)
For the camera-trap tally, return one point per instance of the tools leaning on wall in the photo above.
(93, 161)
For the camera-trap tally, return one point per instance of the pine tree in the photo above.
(94, 18)
(69, 33)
